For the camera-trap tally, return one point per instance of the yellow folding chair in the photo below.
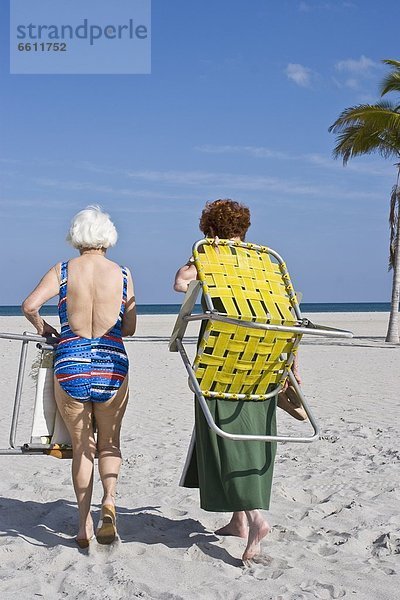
(253, 329)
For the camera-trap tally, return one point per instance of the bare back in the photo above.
(94, 297)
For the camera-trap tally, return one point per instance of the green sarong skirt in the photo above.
(232, 475)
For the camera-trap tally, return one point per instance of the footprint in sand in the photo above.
(325, 591)
(194, 553)
(386, 544)
(174, 512)
(256, 567)
(326, 550)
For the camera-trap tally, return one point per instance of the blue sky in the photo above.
(238, 105)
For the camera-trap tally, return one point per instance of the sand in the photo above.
(335, 503)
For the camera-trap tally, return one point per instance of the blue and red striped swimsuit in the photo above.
(90, 369)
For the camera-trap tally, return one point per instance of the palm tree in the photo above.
(369, 128)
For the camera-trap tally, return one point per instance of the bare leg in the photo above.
(238, 525)
(78, 420)
(108, 417)
(258, 529)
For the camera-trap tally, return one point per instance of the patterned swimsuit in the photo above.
(90, 369)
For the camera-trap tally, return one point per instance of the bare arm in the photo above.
(184, 276)
(296, 373)
(295, 369)
(129, 318)
(47, 288)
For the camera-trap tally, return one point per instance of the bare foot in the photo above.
(237, 526)
(257, 531)
(86, 531)
(233, 529)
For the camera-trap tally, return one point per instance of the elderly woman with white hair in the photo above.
(96, 308)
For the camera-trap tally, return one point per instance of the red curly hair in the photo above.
(225, 219)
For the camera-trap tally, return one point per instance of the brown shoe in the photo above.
(83, 542)
(107, 531)
(290, 402)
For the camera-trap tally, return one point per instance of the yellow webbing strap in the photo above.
(246, 280)
(234, 359)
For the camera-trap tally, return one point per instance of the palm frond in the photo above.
(365, 129)
(356, 141)
(391, 62)
(379, 113)
(391, 83)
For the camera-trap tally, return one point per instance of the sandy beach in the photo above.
(335, 503)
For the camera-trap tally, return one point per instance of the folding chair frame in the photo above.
(41, 342)
(303, 326)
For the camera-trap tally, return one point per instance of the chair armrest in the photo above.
(186, 309)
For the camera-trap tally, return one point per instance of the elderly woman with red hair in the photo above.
(233, 476)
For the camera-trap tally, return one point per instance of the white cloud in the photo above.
(367, 167)
(325, 6)
(360, 66)
(356, 74)
(169, 187)
(257, 151)
(31, 203)
(352, 83)
(235, 182)
(319, 160)
(300, 74)
(88, 186)
(201, 180)
(9, 161)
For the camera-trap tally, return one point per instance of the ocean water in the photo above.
(173, 309)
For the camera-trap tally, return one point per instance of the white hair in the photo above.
(92, 228)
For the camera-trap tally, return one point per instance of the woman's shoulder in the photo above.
(122, 267)
(57, 268)
(114, 266)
